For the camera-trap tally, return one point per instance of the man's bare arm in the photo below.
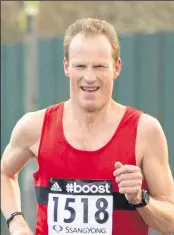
(159, 213)
(15, 156)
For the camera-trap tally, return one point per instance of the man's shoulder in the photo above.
(150, 137)
(147, 123)
(28, 128)
(32, 118)
(149, 127)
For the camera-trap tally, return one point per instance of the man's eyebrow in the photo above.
(100, 64)
(78, 63)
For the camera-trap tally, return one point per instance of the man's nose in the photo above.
(89, 75)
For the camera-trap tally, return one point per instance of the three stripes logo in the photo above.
(56, 187)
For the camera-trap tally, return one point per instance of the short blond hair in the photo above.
(92, 27)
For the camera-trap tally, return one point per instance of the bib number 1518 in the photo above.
(71, 206)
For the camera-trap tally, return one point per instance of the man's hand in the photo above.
(19, 227)
(129, 179)
(22, 231)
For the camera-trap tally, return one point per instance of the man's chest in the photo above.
(89, 140)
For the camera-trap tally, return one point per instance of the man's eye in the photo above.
(80, 66)
(99, 66)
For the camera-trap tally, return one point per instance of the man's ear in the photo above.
(118, 67)
(66, 67)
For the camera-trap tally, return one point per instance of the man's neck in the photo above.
(89, 120)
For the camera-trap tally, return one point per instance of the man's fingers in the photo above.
(125, 169)
(129, 183)
(129, 176)
(130, 190)
(118, 165)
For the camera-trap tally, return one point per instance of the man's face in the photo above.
(91, 70)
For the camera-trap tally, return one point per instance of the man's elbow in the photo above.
(7, 175)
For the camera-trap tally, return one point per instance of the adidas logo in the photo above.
(56, 187)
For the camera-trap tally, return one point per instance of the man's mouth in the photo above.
(89, 89)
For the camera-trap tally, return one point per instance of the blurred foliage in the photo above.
(12, 16)
(127, 16)
(55, 16)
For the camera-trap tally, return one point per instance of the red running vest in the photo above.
(58, 159)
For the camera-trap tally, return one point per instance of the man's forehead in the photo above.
(90, 51)
(81, 43)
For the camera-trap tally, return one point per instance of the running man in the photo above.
(103, 167)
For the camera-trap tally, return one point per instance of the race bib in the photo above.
(80, 207)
